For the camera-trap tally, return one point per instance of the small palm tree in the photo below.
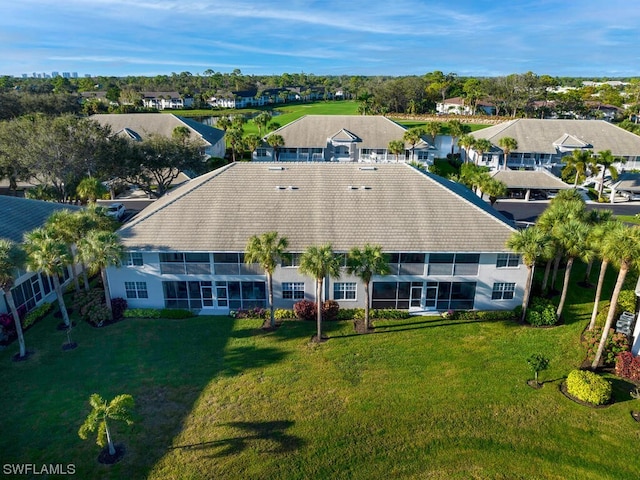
(413, 137)
(262, 120)
(531, 243)
(456, 130)
(90, 189)
(98, 250)
(606, 160)
(481, 146)
(49, 255)
(12, 258)
(433, 129)
(395, 147)
(508, 145)
(320, 263)
(267, 250)
(623, 248)
(365, 263)
(275, 141)
(579, 161)
(466, 142)
(252, 142)
(118, 409)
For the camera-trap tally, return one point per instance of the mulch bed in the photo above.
(563, 389)
(635, 416)
(107, 459)
(18, 358)
(359, 327)
(534, 384)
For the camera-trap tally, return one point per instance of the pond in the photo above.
(212, 120)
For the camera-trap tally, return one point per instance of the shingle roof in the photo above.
(393, 205)
(628, 181)
(538, 136)
(540, 179)
(21, 215)
(312, 131)
(144, 124)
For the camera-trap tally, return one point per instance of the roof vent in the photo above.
(280, 187)
(365, 187)
(352, 187)
(291, 187)
(368, 169)
(276, 168)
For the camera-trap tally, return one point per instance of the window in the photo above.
(344, 291)
(454, 263)
(293, 290)
(233, 264)
(136, 289)
(503, 291)
(134, 259)
(185, 263)
(261, 152)
(291, 260)
(406, 263)
(506, 260)
(391, 295)
(188, 295)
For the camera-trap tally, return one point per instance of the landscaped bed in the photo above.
(217, 397)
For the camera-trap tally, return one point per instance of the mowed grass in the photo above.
(219, 398)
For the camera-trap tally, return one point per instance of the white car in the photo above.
(116, 210)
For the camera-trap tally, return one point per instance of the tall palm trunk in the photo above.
(624, 268)
(319, 309)
(527, 291)
(603, 271)
(61, 305)
(112, 450)
(16, 320)
(587, 272)
(556, 266)
(547, 271)
(565, 286)
(85, 277)
(272, 320)
(366, 306)
(105, 285)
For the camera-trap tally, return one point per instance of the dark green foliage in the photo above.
(176, 314)
(97, 314)
(537, 363)
(542, 312)
(118, 306)
(36, 315)
(486, 316)
(330, 310)
(588, 387)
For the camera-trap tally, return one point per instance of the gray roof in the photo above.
(546, 136)
(628, 181)
(393, 205)
(312, 131)
(21, 215)
(539, 179)
(144, 124)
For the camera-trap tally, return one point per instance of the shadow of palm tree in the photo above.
(267, 437)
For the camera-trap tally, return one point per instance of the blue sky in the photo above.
(325, 37)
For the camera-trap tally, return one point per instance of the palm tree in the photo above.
(90, 189)
(365, 263)
(456, 130)
(117, 409)
(433, 128)
(223, 123)
(320, 262)
(531, 243)
(412, 137)
(606, 160)
(508, 145)
(267, 250)
(65, 225)
(396, 147)
(572, 237)
(275, 141)
(579, 161)
(466, 142)
(481, 146)
(100, 249)
(492, 188)
(234, 138)
(623, 248)
(252, 142)
(49, 255)
(599, 237)
(12, 258)
(262, 120)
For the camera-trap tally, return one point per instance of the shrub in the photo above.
(36, 315)
(97, 314)
(6, 320)
(616, 343)
(542, 312)
(142, 313)
(537, 363)
(588, 387)
(283, 314)
(350, 313)
(330, 310)
(305, 310)
(118, 306)
(628, 366)
(176, 314)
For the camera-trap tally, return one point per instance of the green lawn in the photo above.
(218, 398)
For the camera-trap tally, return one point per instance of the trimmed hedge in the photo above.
(142, 313)
(588, 387)
(36, 315)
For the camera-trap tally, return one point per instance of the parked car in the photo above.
(116, 210)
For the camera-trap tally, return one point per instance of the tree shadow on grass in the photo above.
(265, 437)
(242, 358)
(621, 389)
(419, 325)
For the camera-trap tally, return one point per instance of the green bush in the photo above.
(283, 314)
(350, 313)
(36, 314)
(176, 314)
(485, 316)
(588, 387)
(542, 312)
(142, 313)
(616, 343)
(97, 314)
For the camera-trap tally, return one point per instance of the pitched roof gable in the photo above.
(393, 205)
(21, 215)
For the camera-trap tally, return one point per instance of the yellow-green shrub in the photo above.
(588, 387)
